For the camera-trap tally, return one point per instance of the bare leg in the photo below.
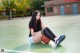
(37, 37)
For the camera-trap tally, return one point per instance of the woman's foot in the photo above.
(59, 40)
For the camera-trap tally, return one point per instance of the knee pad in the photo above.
(46, 29)
(49, 31)
(43, 31)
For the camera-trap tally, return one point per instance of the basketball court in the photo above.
(14, 35)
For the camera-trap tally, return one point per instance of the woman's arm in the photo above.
(43, 26)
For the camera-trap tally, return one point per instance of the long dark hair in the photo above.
(32, 23)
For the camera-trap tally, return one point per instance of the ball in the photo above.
(45, 39)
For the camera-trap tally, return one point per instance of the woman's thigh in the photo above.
(37, 37)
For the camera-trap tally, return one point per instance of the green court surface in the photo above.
(14, 35)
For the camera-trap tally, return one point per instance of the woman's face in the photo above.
(38, 16)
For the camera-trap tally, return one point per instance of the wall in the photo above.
(68, 9)
(71, 0)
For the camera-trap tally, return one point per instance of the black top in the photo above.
(37, 27)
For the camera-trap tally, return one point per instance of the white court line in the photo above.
(5, 50)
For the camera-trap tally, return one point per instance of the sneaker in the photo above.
(59, 40)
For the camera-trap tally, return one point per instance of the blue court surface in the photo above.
(14, 35)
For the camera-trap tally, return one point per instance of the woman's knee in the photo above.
(45, 28)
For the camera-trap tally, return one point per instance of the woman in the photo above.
(38, 29)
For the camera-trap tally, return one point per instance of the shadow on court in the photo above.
(39, 48)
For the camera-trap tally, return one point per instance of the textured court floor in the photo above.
(14, 35)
